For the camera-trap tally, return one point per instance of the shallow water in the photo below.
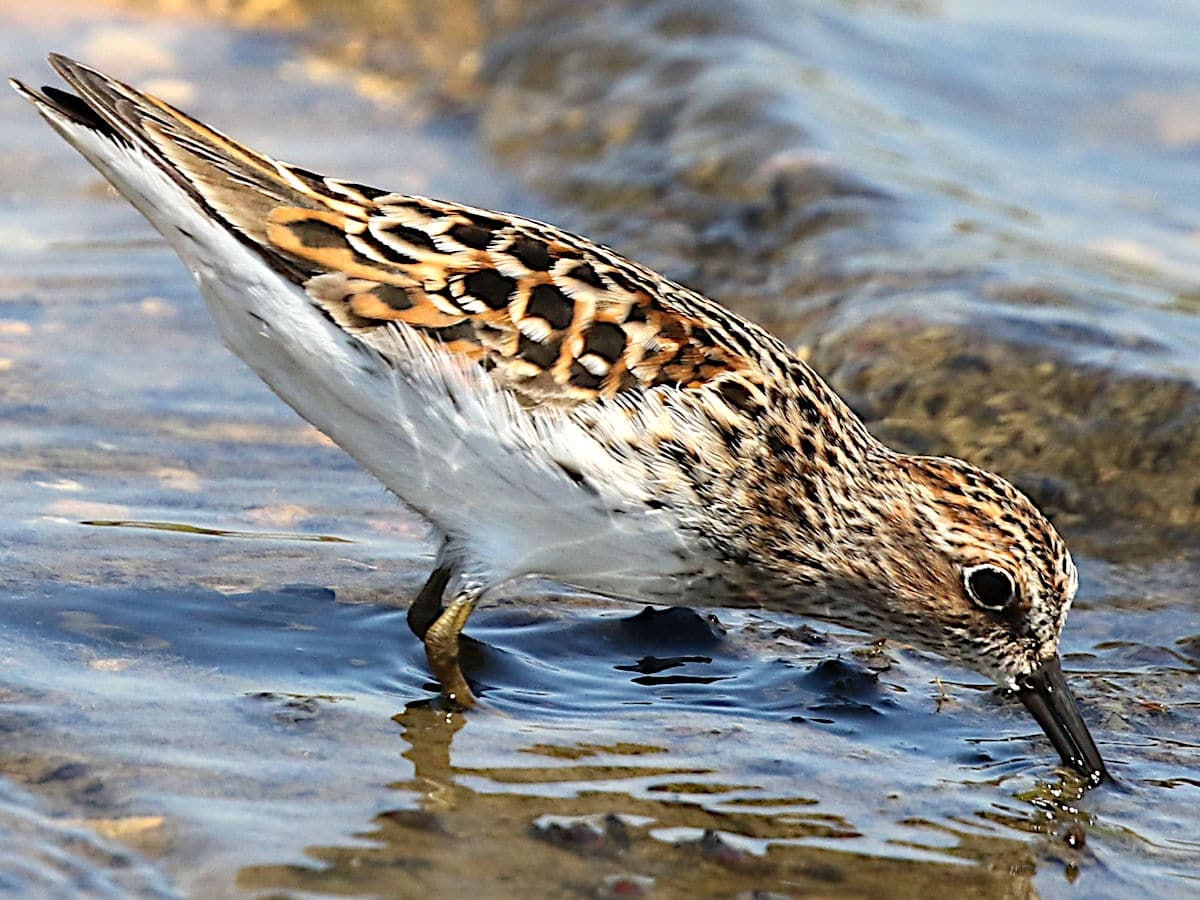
(980, 224)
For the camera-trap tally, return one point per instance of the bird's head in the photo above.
(957, 561)
(998, 580)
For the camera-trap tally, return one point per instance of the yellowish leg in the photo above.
(441, 649)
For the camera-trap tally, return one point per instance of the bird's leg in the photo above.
(441, 646)
(440, 629)
(426, 609)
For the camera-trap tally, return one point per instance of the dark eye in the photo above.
(990, 587)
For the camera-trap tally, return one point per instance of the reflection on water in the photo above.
(991, 248)
(616, 821)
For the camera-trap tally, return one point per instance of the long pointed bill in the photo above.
(1046, 695)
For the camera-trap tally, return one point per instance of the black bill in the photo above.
(1046, 695)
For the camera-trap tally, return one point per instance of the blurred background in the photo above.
(980, 222)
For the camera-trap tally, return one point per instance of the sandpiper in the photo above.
(554, 409)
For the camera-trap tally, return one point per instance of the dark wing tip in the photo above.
(65, 66)
(64, 104)
(90, 83)
(76, 108)
(75, 74)
(34, 96)
(27, 92)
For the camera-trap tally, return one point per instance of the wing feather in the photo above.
(553, 317)
(556, 318)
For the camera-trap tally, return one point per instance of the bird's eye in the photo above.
(989, 587)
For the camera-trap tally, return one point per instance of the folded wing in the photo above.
(553, 317)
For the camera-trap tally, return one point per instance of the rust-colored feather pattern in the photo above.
(554, 317)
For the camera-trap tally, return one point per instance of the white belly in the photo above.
(451, 445)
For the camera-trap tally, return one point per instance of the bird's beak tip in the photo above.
(1049, 700)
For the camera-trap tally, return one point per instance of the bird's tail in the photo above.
(114, 125)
